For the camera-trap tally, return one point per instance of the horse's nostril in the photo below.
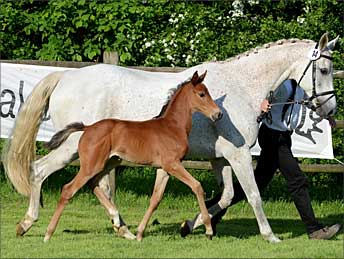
(332, 112)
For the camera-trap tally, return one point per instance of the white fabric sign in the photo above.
(312, 139)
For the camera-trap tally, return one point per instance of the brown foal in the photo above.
(162, 141)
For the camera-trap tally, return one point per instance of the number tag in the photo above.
(314, 54)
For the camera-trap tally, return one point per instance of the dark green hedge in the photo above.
(166, 33)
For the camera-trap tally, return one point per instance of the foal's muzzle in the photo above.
(217, 116)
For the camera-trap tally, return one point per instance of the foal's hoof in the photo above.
(139, 236)
(124, 232)
(184, 229)
(46, 238)
(210, 237)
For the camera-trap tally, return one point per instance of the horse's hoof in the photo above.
(272, 239)
(20, 231)
(210, 237)
(124, 232)
(184, 229)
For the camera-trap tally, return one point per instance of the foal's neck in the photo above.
(179, 112)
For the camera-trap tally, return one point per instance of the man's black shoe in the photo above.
(325, 233)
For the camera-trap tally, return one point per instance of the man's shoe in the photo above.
(185, 229)
(325, 233)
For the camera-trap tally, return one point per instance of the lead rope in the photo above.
(339, 162)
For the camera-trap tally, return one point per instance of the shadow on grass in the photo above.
(242, 228)
(247, 227)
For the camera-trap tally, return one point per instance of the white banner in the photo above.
(312, 139)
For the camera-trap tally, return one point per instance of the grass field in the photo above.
(84, 230)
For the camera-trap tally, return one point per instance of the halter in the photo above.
(316, 54)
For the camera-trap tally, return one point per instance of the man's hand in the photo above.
(265, 106)
(332, 121)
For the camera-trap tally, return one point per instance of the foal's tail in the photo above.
(62, 135)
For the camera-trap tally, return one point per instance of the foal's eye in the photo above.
(324, 71)
(201, 94)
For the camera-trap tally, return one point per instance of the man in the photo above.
(274, 138)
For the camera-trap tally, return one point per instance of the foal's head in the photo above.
(200, 99)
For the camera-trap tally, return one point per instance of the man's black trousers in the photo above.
(276, 154)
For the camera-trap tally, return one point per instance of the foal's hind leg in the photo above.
(41, 169)
(159, 189)
(68, 191)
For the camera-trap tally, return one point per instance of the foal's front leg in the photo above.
(176, 169)
(159, 189)
(223, 173)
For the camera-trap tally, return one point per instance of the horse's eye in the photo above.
(201, 94)
(324, 71)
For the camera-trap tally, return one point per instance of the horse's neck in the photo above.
(179, 113)
(253, 76)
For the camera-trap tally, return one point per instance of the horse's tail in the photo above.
(20, 148)
(62, 135)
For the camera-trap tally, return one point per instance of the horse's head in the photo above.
(318, 79)
(201, 100)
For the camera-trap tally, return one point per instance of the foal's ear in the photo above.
(201, 78)
(195, 78)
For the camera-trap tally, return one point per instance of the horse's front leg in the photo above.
(241, 161)
(158, 191)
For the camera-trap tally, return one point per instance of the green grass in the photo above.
(84, 230)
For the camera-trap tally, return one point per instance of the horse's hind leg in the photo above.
(119, 226)
(41, 169)
(104, 191)
(159, 189)
(107, 183)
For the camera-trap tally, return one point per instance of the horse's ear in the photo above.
(323, 41)
(201, 78)
(195, 78)
(332, 43)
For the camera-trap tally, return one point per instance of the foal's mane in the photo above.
(172, 93)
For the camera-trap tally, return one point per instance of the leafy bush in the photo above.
(166, 33)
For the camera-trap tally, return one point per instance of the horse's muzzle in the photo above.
(217, 116)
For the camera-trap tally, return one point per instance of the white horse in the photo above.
(93, 93)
